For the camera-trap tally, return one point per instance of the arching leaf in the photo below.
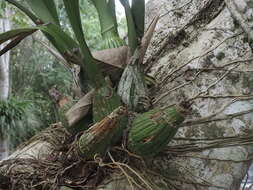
(88, 63)
(16, 36)
(45, 10)
(62, 41)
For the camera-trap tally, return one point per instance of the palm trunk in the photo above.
(4, 60)
(4, 77)
(3, 149)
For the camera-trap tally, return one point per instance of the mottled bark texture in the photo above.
(201, 51)
(201, 54)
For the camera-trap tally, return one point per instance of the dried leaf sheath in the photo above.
(98, 138)
(133, 90)
(80, 109)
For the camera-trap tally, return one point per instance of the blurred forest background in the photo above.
(34, 71)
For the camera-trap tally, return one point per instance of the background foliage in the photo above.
(34, 71)
(18, 120)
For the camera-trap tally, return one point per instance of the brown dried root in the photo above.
(56, 169)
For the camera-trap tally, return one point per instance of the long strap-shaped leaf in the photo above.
(132, 36)
(16, 36)
(65, 44)
(24, 9)
(14, 33)
(113, 10)
(108, 24)
(138, 12)
(37, 21)
(45, 10)
(106, 13)
(91, 69)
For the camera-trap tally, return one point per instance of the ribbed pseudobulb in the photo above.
(106, 101)
(98, 138)
(153, 130)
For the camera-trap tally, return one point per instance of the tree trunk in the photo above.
(4, 76)
(195, 51)
(201, 55)
(3, 149)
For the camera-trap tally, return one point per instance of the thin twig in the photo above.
(177, 8)
(214, 159)
(129, 178)
(250, 187)
(227, 96)
(195, 121)
(197, 57)
(204, 145)
(132, 170)
(204, 181)
(230, 116)
(225, 30)
(240, 18)
(213, 84)
(176, 88)
(205, 139)
(246, 181)
(236, 61)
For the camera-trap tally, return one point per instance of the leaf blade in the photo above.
(138, 12)
(88, 63)
(62, 41)
(45, 10)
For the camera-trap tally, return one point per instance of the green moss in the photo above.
(192, 132)
(247, 81)
(225, 167)
(237, 25)
(220, 56)
(245, 40)
(213, 131)
(250, 4)
(234, 77)
(172, 171)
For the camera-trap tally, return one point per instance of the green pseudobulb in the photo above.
(153, 130)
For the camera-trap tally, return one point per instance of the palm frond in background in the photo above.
(18, 120)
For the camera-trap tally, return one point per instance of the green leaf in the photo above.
(45, 10)
(89, 66)
(62, 41)
(15, 36)
(35, 19)
(56, 54)
(72, 9)
(3, 5)
(24, 9)
(138, 12)
(106, 12)
(15, 33)
(111, 4)
(132, 36)
(108, 23)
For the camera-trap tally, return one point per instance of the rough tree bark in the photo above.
(201, 54)
(199, 49)
(4, 76)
